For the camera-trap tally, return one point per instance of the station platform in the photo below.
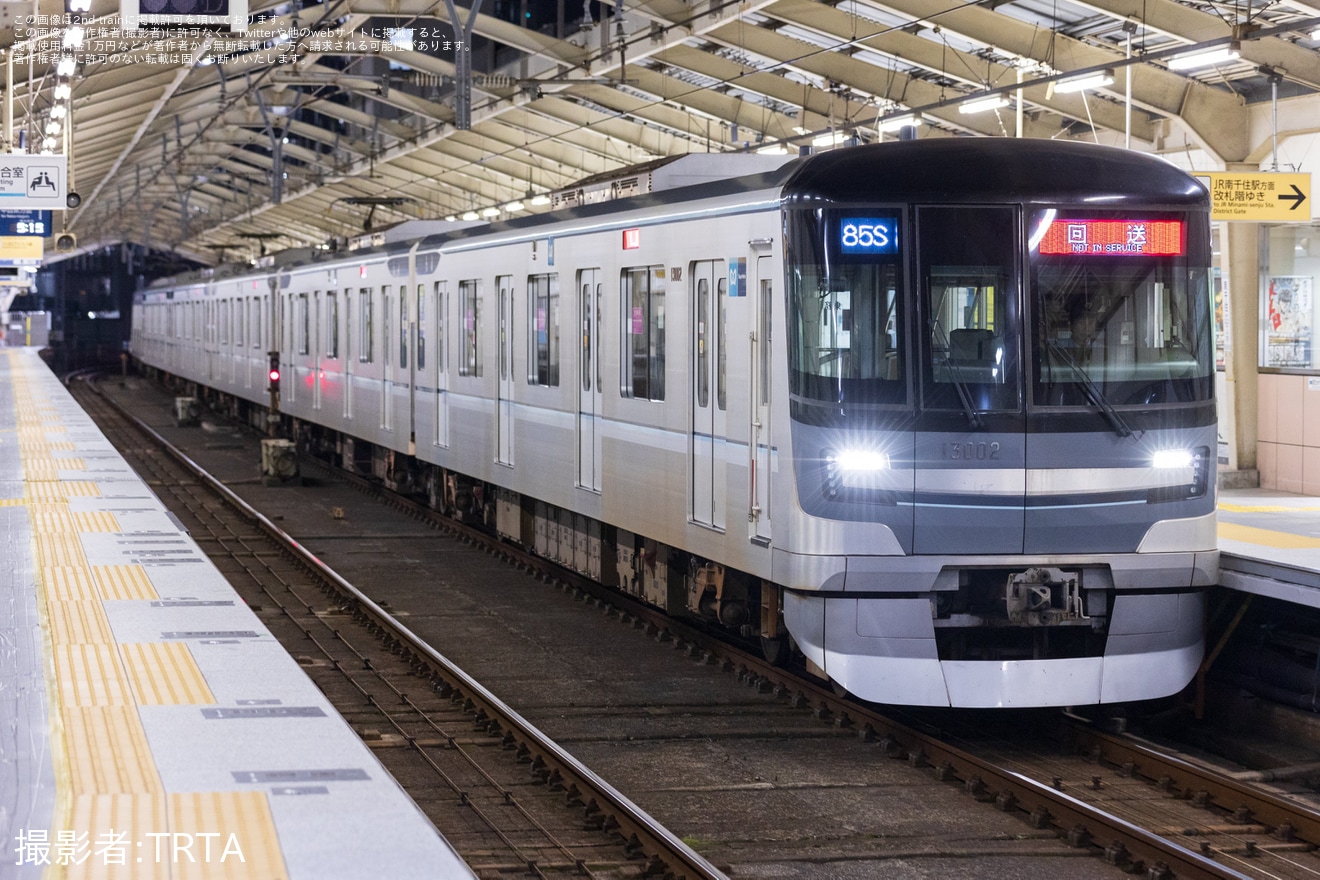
(150, 725)
(1269, 544)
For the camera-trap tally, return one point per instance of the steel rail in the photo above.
(1246, 803)
(603, 803)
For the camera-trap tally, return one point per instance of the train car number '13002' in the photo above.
(970, 451)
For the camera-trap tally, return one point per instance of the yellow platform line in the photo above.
(79, 622)
(68, 582)
(107, 751)
(245, 814)
(165, 674)
(133, 818)
(1265, 508)
(123, 582)
(90, 675)
(1267, 537)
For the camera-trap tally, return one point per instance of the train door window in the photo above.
(440, 308)
(386, 304)
(543, 326)
(968, 279)
(767, 303)
(303, 328)
(224, 322)
(332, 323)
(403, 326)
(421, 327)
(703, 344)
(240, 320)
(366, 305)
(587, 325)
(469, 294)
(721, 353)
(643, 310)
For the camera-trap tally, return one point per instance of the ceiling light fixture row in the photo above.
(58, 118)
(513, 207)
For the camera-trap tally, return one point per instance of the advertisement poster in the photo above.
(1289, 320)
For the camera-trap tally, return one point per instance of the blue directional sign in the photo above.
(13, 222)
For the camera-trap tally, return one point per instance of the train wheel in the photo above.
(775, 650)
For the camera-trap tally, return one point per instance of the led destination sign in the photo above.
(1107, 238)
(868, 235)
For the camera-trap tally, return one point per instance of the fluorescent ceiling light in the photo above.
(62, 91)
(773, 150)
(1097, 80)
(1315, 34)
(470, 215)
(1205, 57)
(538, 201)
(68, 64)
(514, 205)
(894, 123)
(452, 217)
(490, 212)
(977, 105)
(830, 139)
(73, 37)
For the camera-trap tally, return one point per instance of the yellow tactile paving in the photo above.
(165, 674)
(120, 822)
(95, 521)
(1266, 537)
(90, 675)
(245, 815)
(123, 582)
(107, 751)
(68, 582)
(63, 490)
(49, 468)
(78, 622)
(60, 550)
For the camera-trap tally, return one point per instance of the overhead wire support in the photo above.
(463, 63)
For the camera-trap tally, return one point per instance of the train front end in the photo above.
(1002, 422)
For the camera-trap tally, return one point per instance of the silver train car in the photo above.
(937, 414)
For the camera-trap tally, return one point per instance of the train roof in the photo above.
(967, 170)
(1030, 171)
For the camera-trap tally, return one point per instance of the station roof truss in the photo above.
(329, 119)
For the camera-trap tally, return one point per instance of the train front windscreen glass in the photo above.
(1120, 309)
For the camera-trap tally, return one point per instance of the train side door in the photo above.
(350, 352)
(589, 390)
(504, 403)
(761, 291)
(709, 286)
(418, 334)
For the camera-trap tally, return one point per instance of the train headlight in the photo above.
(1172, 458)
(860, 460)
(853, 469)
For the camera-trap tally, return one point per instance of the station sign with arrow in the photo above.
(1270, 196)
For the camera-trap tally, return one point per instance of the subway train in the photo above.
(936, 417)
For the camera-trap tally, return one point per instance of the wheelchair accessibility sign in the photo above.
(32, 182)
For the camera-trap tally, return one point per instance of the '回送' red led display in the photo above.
(1146, 238)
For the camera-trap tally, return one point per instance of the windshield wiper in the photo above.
(1093, 392)
(964, 395)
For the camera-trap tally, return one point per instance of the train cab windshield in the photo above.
(1119, 307)
(845, 331)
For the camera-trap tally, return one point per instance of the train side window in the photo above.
(332, 323)
(543, 326)
(421, 327)
(643, 310)
(366, 305)
(469, 294)
(224, 322)
(240, 320)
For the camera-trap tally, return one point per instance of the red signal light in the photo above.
(274, 376)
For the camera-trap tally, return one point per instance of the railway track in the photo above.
(1049, 791)
(507, 797)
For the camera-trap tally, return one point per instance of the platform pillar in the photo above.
(1241, 267)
